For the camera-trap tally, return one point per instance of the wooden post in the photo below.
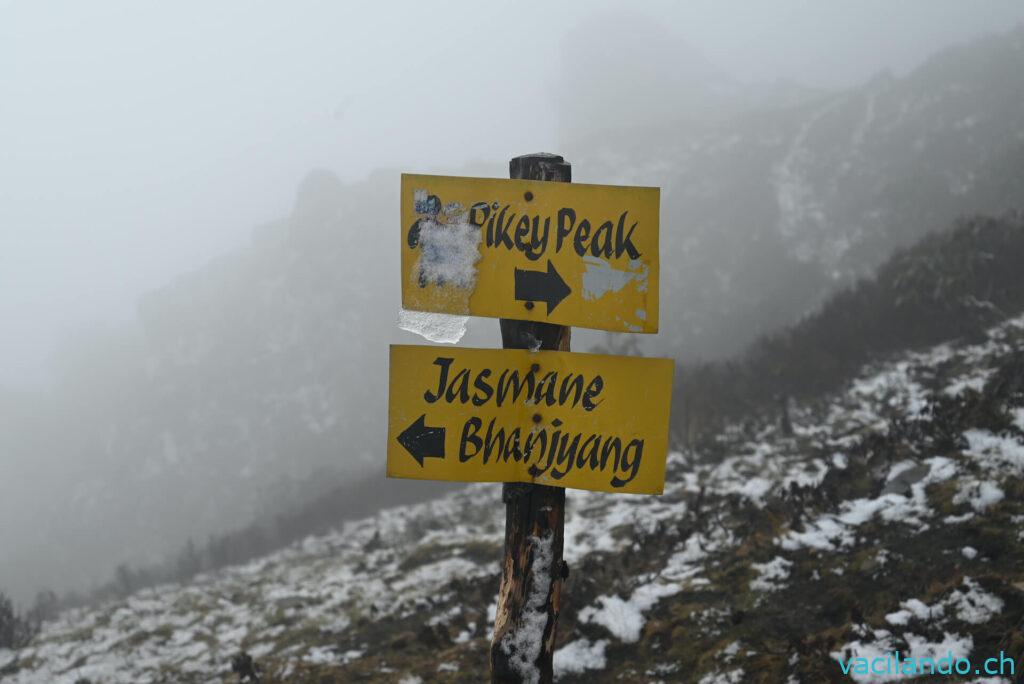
(532, 569)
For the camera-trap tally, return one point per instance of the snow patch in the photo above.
(731, 677)
(624, 618)
(995, 452)
(579, 656)
(832, 531)
(915, 608)
(970, 604)
(770, 575)
(523, 642)
(975, 605)
(980, 495)
(974, 382)
(858, 655)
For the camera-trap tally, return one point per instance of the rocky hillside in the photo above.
(955, 283)
(887, 516)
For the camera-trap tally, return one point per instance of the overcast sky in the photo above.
(138, 139)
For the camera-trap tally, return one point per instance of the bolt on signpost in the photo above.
(541, 254)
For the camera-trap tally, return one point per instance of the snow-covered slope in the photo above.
(889, 516)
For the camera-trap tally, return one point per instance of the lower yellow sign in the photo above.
(586, 421)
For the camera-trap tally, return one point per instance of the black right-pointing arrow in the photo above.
(422, 441)
(538, 286)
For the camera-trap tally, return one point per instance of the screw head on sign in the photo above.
(528, 196)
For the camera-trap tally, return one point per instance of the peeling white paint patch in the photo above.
(447, 248)
(449, 244)
(436, 327)
(449, 252)
(600, 278)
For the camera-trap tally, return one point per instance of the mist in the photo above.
(198, 279)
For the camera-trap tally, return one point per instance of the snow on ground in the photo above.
(578, 656)
(625, 618)
(432, 567)
(969, 603)
(770, 575)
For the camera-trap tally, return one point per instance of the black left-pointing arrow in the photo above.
(422, 441)
(539, 286)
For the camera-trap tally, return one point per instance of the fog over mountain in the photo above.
(783, 203)
(198, 263)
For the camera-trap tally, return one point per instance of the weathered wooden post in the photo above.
(532, 569)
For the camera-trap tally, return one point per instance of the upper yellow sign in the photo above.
(565, 253)
(586, 421)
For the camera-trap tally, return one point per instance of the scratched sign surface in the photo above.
(565, 253)
(586, 421)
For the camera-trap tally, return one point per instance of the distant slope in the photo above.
(768, 211)
(253, 385)
(890, 516)
(953, 284)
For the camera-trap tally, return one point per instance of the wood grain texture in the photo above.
(532, 568)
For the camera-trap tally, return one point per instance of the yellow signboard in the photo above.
(586, 421)
(564, 253)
